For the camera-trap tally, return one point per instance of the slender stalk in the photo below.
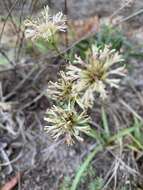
(120, 8)
(84, 166)
(66, 34)
(130, 16)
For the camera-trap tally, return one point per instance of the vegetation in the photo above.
(85, 103)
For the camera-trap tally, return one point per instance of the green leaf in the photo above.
(138, 132)
(84, 166)
(105, 122)
(132, 147)
(121, 134)
(95, 135)
(41, 47)
(137, 142)
(3, 61)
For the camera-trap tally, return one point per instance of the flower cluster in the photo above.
(75, 90)
(63, 90)
(65, 121)
(45, 26)
(77, 87)
(96, 73)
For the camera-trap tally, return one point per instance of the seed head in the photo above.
(63, 90)
(45, 26)
(96, 73)
(66, 122)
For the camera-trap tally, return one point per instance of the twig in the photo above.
(90, 34)
(12, 161)
(6, 57)
(20, 36)
(1, 92)
(42, 59)
(6, 160)
(120, 8)
(131, 109)
(9, 13)
(130, 16)
(20, 84)
(66, 34)
(10, 16)
(33, 101)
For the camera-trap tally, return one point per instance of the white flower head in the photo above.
(45, 26)
(96, 73)
(63, 90)
(67, 123)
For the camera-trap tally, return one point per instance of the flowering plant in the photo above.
(45, 26)
(75, 90)
(67, 122)
(95, 73)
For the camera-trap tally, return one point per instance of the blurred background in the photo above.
(25, 70)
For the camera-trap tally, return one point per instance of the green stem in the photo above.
(84, 166)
